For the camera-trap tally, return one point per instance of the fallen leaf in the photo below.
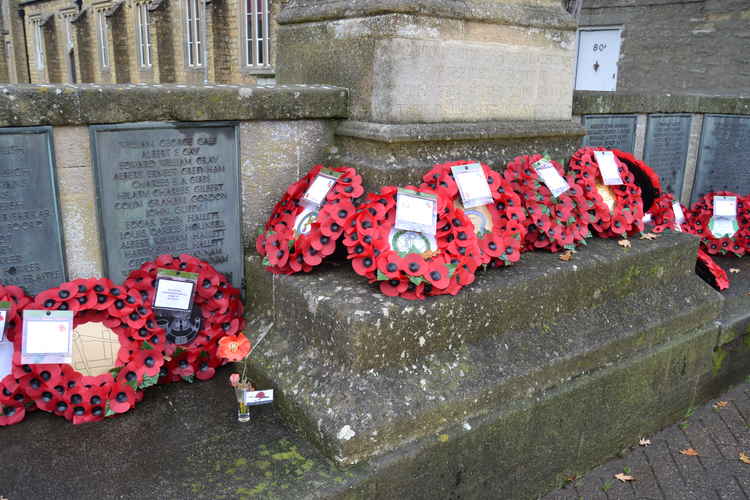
(689, 452)
(734, 270)
(624, 243)
(721, 404)
(624, 477)
(649, 236)
(644, 442)
(566, 256)
(744, 458)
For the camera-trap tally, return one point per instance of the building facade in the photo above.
(139, 41)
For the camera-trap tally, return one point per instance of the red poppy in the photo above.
(233, 347)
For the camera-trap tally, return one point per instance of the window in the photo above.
(193, 33)
(596, 64)
(38, 44)
(257, 34)
(144, 40)
(101, 20)
(68, 31)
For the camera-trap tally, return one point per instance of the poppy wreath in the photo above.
(297, 239)
(553, 223)
(13, 400)
(221, 313)
(662, 214)
(644, 177)
(710, 271)
(408, 264)
(499, 226)
(145, 356)
(699, 218)
(618, 210)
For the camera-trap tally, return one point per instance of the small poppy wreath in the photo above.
(409, 264)
(145, 357)
(297, 238)
(618, 210)
(13, 400)
(553, 223)
(662, 214)
(498, 225)
(221, 314)
(699, 219)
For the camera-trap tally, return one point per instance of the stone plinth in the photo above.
(434, 60)
(579, 357)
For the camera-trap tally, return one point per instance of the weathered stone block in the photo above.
(431, 61)
(371, 378)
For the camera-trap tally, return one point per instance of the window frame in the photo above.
(253, 45)
(193, 34)
(144, 36)
(39, 48)
(102, 30)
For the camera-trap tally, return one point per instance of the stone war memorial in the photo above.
(358, 249)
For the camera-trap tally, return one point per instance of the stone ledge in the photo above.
(467, 376)
(538, 15)
(336, 311)
(457, 131)
(592, 103)
(27, 105)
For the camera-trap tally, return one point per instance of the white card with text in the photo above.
(253, 398)
(555, 182)
(679, 215)
(318, 190)
(173, 294)
(47, 337)
(416, 212)
(472, 185)
(6, 358)
(608, 167)
(725, 206)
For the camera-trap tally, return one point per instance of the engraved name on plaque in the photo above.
(31, 249)
(666, 148)
(169, 188)
(723, 156)
(610, 131)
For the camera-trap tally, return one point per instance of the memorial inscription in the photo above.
(723, 156)
(169, 188)
(610, 131)
(667, 138)
(31, 249)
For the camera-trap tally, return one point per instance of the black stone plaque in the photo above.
(723, 156)
(169, 188)
(610, 131)
(31, 248)
(667, 138)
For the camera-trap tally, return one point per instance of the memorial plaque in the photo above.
(31, 248)
(610, 131)
(667, 138)
(723, 158)
(169, 188)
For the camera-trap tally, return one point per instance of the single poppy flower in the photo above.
(233, 347)
(122, 398)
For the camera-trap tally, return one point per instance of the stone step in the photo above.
(349, 322)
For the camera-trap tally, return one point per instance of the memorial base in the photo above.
(534, 371)
(398, 154)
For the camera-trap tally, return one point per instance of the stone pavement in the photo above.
(718, 433)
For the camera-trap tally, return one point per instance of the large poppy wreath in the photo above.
(409, 264)
(298, 237)
(147, 353)
(554, 222)
(499, 225)
(618, 209)
(699, 221)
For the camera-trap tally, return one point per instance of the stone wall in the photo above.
(678, 46)
(283, 131)
(643, 105)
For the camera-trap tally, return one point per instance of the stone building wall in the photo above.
(697, 46)
(224, 42)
